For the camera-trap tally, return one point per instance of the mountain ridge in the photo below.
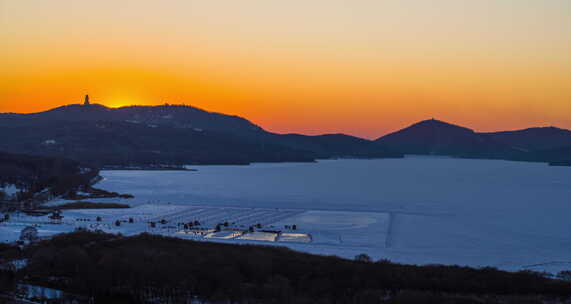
(184, 133)
(171, 134)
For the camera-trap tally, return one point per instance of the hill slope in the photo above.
(434, 137)
(123, 143)
(336, 146)
(177, 116)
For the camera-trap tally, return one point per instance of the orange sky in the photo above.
(362, 67)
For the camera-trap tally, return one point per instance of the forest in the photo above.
(115, 269)
(52, 176)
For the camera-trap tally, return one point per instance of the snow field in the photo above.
(238, 219)
(342, 227)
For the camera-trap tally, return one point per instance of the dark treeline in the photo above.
(137, 269)
(110, 143)
(34, 174)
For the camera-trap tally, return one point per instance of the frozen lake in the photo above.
(419, 210)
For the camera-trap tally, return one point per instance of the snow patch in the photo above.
(33, 291)
(294, 237)
(10, 190)
(259, 236)
(224, 235)
(83, 170)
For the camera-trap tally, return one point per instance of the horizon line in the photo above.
(285, 133)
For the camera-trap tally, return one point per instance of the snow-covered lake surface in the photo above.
(419, 210)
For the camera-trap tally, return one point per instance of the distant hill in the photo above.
(434, 137)
(177, 116)
(168, 134)
(533, 138)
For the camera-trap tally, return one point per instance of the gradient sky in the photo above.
(362, 67)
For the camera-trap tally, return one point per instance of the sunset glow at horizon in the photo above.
(364, 67)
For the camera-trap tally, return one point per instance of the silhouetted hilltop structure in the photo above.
(166, 134)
